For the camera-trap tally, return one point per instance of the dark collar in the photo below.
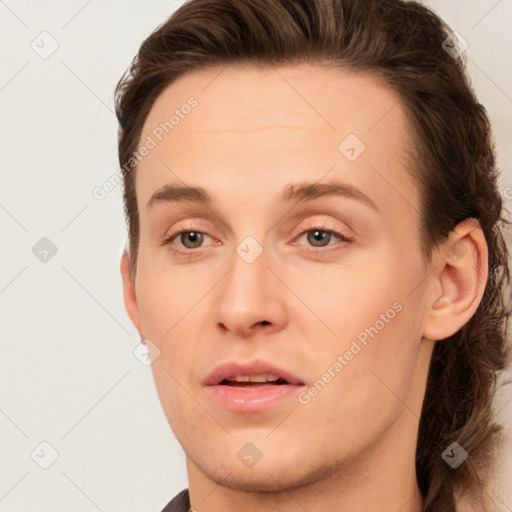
(180, 503)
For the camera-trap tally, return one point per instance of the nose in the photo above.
(251, 299)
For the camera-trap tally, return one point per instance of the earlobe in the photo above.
(129, 296)
(457, 287)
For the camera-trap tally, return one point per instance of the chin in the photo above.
(280, 477)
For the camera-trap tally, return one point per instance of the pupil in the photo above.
(192, 237)
(319, 236)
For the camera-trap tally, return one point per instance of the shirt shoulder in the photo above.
(180, 503)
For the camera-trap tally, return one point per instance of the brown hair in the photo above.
(401, 43)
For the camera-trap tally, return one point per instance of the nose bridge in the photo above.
(249, 293)
(245, 286)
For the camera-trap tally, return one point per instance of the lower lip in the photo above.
(244, 399)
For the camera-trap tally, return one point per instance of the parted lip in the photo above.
(257, 367)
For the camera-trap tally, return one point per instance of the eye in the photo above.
(189, 240)
(319, 237)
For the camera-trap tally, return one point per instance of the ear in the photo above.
(459, 281)
(130, 299)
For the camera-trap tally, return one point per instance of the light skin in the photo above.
(254, 133)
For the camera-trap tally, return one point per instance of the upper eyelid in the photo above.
(321, 225)
(336, 232)
(324, 224)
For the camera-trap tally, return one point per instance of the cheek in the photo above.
(350, 297)
(368, 331)
(163, 297)
(371, 383)
(169, 305)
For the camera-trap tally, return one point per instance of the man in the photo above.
(316, 264)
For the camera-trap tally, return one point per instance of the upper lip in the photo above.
(258, 367)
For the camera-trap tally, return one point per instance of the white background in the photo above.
(67, 372)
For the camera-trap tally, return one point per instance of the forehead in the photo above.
(255, 130)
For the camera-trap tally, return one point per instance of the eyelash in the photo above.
(189, 252)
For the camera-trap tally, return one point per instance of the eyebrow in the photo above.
(177, 192)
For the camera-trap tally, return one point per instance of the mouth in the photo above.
(251, 387)
(253, 372)
(253, 381)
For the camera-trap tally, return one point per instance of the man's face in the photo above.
(259, 279)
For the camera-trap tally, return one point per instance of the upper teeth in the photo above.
(263, 377)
